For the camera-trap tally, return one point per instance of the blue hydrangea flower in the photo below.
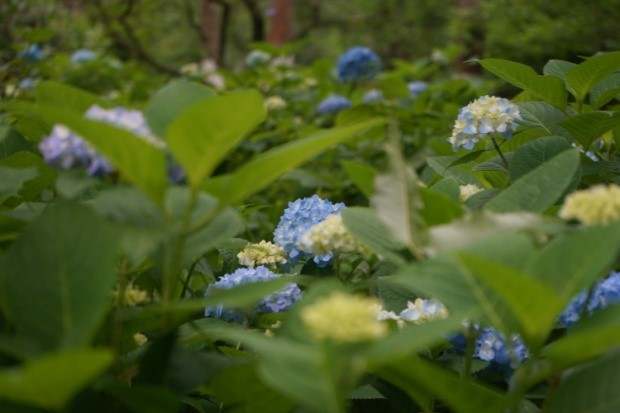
(32, 53)
(484, 116)
(64, 149)
(358, 63)
(417, 87)
(373, 96)
(257, 58)
(491, 346)
(604, 294)
(299, 217)
(274, 303)
(333, 104)
(83, 55)
(27, 83)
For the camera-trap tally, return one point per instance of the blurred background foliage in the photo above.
(166, 34)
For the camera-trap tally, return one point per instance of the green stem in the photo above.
(472, 336)
(499, 151)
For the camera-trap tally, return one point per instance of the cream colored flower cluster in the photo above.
(133, 296)
(263, 253)
(344, 318)
(598, 205)
(467, 191)
(418, 312)
(328, 236)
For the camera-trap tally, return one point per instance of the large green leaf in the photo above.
(51, 381)
(535, 153)
(586, 127)
(265, 168)
(139, 161)
(362, 175)
(566, 265)
(605, 91)
(202, 135)
(416, 375)
(533, 304)
(12, 180)
(540, 188)
(168, 102)
(305, 373)
(58, 276)
(591, 338)
(581, 78)
(364, 224)
(558, 68)
(547, 88)
(32, 189)
(541, 115)
(592, 388)
(53, 93)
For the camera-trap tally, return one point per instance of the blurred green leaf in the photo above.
(586, 127)
(13, 179)
(558, 68)
(362, 175)
(605, 91)
(53, 93)
(267, 167)
(57, 277)
(170, 101)
(203, 134)
(51, 381)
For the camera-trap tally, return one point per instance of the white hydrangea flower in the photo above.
(422, 311)
(263, 253)
(328, 236)
(467, 191)
(273, 103)
(484, 116)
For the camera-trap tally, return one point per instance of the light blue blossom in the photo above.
(484, 116)
(333, 104)
(604, 294)
(257, 58)
(66, 150)
(83, 55)
(27, 83)
(299, 217)
(358, 63)
(416, 88)
(274, 303)
(491, 346)
(32, 53)
(373, 96)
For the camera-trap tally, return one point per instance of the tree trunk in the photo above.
(210, 27)
(258, 24)
(281, 30)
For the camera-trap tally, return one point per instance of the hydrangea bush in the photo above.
(186, 247)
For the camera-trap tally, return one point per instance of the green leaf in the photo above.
(53, 93)
(540, 188)
(581, 78)
(558, 68)
(415, 375)
(594, 387)
(145, 399)
(533, 304)
(591, 338)
(460, 173)
(566, 265)
(267, 167)
(586, 127)
(51, 381)
(13, 179)
(31, 190)
(467, 158)
(299, 371)
(203, 134)
(547, 88)
(362, 175)
(411, 339)
(170, 101)
(139, 161)
(535, 153)
(364, 224)
(541, 115)
(439, 208)
(58, 276)
(605, 91)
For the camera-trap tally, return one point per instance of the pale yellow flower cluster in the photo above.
(329, 236)
(133, 296)
(273, 103)
(344, 318)
(263, 253)
(467, 191)
(140, 339)
(598, 205)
